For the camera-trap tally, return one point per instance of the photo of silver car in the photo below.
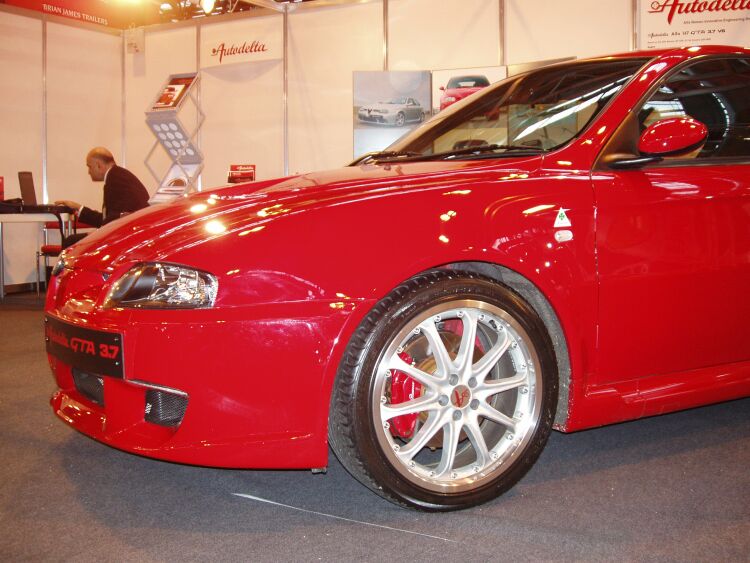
(396, 111)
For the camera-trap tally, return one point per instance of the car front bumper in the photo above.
(382, 118)
(231, 387)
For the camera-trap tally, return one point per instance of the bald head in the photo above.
(98, 161)
(102, 154)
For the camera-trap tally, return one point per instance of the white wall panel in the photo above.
(243, 104)
(549, 29)
(167, 51)
(325, 46)
(20, 100)
(20, 131)
(84, 108)
(437, 34)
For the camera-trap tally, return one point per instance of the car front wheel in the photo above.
(446, 393)
(400, 119)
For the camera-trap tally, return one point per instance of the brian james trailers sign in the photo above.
(254, 41)
(680, 23)
(90, 11)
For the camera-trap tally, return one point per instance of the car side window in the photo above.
(715, 92)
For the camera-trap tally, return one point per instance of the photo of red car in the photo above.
(567, 249)
(459, 87)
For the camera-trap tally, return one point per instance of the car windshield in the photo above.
(537, 111)
(468, 82)
(396, 101)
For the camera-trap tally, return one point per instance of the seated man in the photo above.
(123, 192)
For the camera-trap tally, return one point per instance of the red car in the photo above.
(459, 87)
(569, 248)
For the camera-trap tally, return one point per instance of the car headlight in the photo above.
(163, 286)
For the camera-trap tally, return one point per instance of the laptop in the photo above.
(26, 182)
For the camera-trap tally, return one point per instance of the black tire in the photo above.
(421, 117)
(479, 417)
(400, 119)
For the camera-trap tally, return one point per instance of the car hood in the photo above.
(382, 106)
(161, 232)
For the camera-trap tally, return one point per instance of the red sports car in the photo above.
(569, 248)
(459, 87)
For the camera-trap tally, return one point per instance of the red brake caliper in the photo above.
(404, 388)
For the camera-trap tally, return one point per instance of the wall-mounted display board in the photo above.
(174, 137)
(677, 23)
(387, 105)
(453, 85)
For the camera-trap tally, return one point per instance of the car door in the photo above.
(673, 237)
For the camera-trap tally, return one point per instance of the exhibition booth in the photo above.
(303, 270)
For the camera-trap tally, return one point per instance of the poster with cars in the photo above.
(677, 23)
(453, 85)
(387, 105)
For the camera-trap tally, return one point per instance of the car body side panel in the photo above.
(636, 398)
(474, 221)
(674, 259)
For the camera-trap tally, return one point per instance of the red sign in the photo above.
(672, 7)
(241, 173)
(119, 15)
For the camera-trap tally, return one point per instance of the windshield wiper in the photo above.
(467, 151)
(480, 149)
(381, 155)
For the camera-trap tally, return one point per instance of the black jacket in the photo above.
(123, 193)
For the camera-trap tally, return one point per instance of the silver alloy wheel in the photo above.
(476, 405)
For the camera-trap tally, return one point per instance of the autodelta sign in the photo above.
(672, 7)
(678, 23)
(233, 50)
(256, 39)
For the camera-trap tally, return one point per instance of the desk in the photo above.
(30, 218)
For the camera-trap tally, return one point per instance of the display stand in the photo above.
(177, 140)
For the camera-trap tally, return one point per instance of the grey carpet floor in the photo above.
(668, 488)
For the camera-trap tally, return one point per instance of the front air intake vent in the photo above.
(164, 409)
(90, 386)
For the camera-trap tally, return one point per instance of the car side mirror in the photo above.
(672, 137)
(442, 88)
(667, 137)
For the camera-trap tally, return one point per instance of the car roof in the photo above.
(686, 52)
(672, 56)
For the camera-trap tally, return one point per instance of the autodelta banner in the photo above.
(258, 39)
(678, 23)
